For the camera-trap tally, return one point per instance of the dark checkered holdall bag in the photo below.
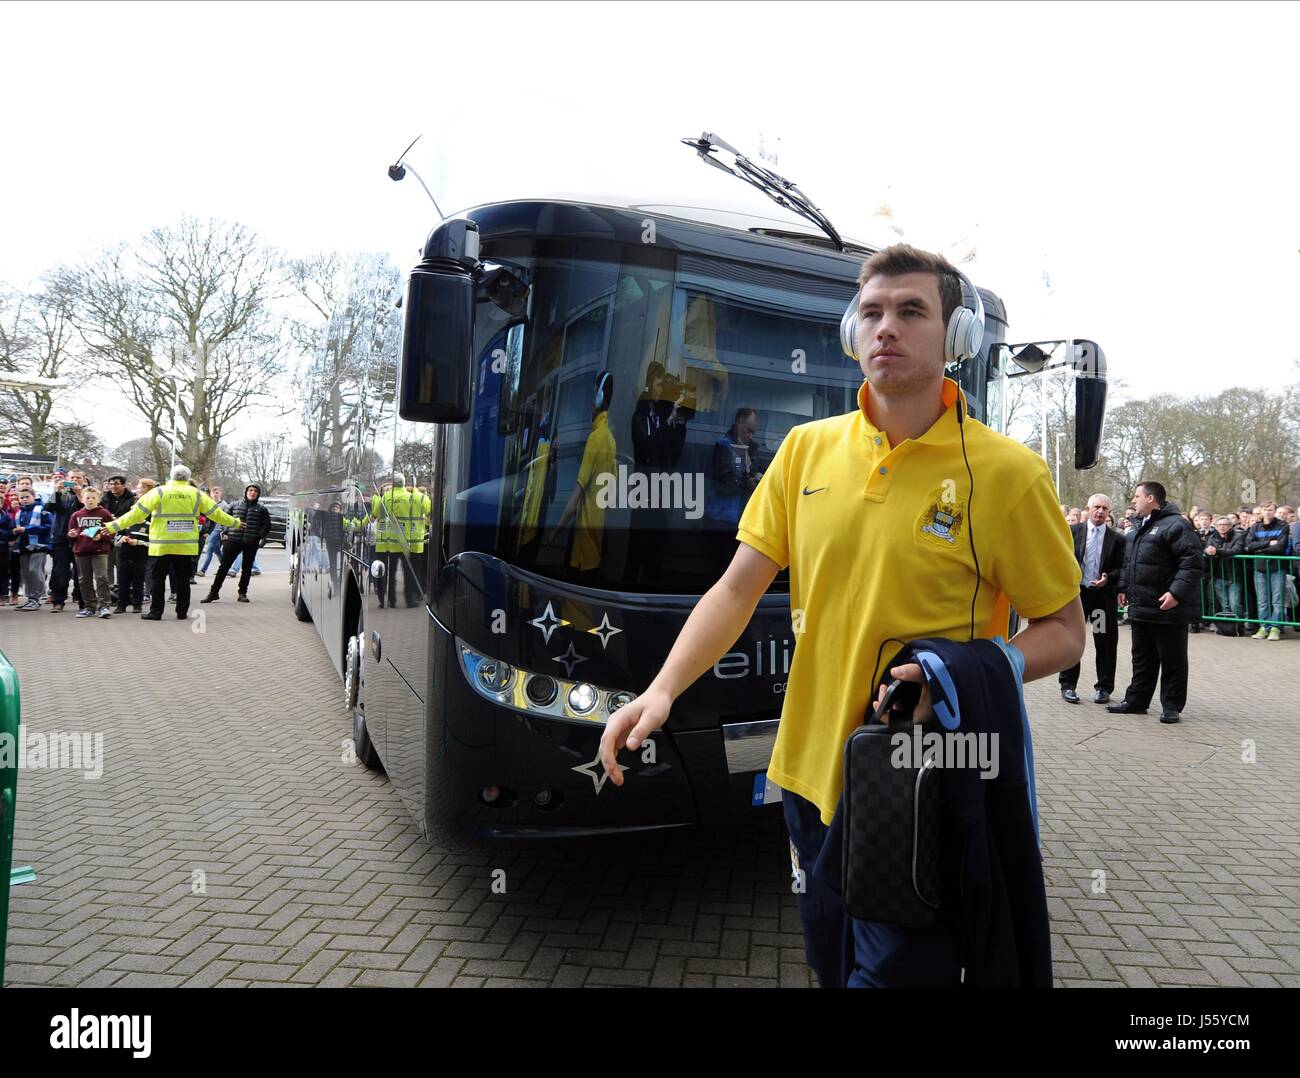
(891, 821)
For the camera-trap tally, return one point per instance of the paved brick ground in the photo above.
(313, 876)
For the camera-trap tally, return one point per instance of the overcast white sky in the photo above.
(1144, 155)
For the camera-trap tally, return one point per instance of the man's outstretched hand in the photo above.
(629, 726)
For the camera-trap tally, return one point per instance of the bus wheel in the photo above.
(352, 673)
(300, 610)
(361, 742)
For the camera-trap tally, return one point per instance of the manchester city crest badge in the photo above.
(943, 520)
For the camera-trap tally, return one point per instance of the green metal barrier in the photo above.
(9, 750)
(1231, 592)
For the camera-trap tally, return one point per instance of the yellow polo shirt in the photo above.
(878, 541)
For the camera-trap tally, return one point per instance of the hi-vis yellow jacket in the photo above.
(173, 510)
(400, 514)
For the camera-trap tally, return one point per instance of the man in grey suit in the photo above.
(1100, 550)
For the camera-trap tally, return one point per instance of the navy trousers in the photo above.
(847, 953)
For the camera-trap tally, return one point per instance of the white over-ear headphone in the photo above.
(602, 380)
(965, 326)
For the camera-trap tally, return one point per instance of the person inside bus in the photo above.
(599, 457)
(539, 484)
(734, 474)
(658, 437)
(844, 505)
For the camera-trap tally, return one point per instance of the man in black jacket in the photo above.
(1161, 583)
(65, 501)
(245, 541)
(1100, 550)
(1203, 524)
(117, 500)
(1221, 550)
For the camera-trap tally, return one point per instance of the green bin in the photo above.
(9, 749)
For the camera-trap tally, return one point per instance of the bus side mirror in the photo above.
(435, 372)
(1089, 402)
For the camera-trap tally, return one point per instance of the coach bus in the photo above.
(669, 349)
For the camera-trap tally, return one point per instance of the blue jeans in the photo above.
(846, 953)
(1228, 592)
(239, 561)
(211, 549)
(1270, 594)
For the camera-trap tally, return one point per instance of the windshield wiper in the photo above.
(783, 192)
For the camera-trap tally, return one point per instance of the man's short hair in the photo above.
(117, 479)
(91, 487)
(1156, 490)
(1268, 505)
(181, 472)
(903, 258)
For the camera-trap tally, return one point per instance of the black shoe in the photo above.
(1195, 628)
(182, 617)
(1102, 697)
(210, 598)
(151, 616)
(1070, 696)
(1122, 708)
(119, 610)
(242, 599)
(1169, 716)
(136, 609)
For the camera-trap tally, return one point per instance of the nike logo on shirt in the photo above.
(807, 491)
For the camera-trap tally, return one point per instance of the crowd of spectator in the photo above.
(1251, 566)
(54, 544)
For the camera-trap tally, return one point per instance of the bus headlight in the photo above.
(495, 675)
(542, 690)
(583, 699)
(539, 694)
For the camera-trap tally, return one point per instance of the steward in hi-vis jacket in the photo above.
(173, 510)
(400, 515)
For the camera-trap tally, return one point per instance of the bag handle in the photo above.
(899, 701)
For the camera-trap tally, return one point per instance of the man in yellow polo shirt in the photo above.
(874, 513)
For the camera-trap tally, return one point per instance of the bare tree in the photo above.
(136, 458)
(36, 338)
(264, 460)
(351, 336)
(182, 324)
(415, 461)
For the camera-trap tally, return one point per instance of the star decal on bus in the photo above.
(547, 622)
(590, 770)
(604, 630)
(569, 659)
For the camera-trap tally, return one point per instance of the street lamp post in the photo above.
(1059, 435)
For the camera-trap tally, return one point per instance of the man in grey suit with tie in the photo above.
(1100, 550)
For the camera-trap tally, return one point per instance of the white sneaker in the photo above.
(85, 612)
(104, 612)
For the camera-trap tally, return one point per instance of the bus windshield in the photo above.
(618, 432)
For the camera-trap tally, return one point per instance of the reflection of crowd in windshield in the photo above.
(619, 430)
(658, 428)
